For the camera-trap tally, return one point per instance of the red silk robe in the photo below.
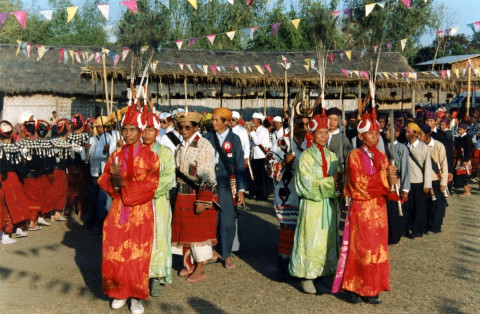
(128, 228)
(363, 265)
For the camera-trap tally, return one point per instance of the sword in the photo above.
(394, 187)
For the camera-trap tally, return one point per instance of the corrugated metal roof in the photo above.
(449, 59)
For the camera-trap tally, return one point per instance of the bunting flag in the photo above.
(275, 27)
(435, 74)
(345, 72)
(237, 69)
(259, 69)
(71, 11)
(21, 17)
(65, 56)
(406, 2)
(3, 17)
(348, 53)
(249, 1)
(385, 74)
(403, 43)
(131, 5)
(230, 1)
(29, 49)
(464, 70)
(211, 38)
(90, 57)
(125, 52)
(60, 52)
(341, 55)
(269, 69)
(478, 24)
(369, 8)
(452, 31)
(381, 4)
(440, 34)
(115, 59)
(189, 66)
(104, 9)
(348, 12)
(71, 54)
(193, 3)
(47, 14)
(331, 56)
(389, 47)
(179, 44)
(380, 74)
(78, 56)
(471, 25)
(159, 48)
(312, 63)
(181, 66)
(449, 73)
(246, 32)
(375, 48)
(457, 73)
(111, 53)
(230, 34)
(153, 65)
(356, 73)
(165, 3)
(41, 51)
(192, 42)
(444, 73)
(85, 56)
(249, 68)
(252, 30)
(307, 65)
(335, 14)
(205, 69)
(295, 23)
(363, 52)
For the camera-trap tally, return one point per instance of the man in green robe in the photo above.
(161, 261)
(315, 246)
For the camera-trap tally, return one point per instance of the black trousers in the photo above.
(396, 227)
(260, 175)
(436, 209)
(416, 215)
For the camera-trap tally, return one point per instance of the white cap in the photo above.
(258, 115)
(164, 115)
(277, 119)
(235, 114)
(174, 112)
(25, 116)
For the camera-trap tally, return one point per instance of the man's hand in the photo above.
(199, 208)
(442, 188)
(120, 143)
(289, 158)
(450, 177)
(88, 145)
(240, 198)
(115, 169)
(117, 181)
(252, 127)
(106, 148)
(404, 196)
(426, 190)
(245, 160)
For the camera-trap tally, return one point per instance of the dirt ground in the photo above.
(57, 270)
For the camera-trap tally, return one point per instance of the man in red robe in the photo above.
(363, 267)
(130, 178)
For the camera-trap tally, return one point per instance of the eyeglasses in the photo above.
(233, 119)
(184, 127)
(163, 121)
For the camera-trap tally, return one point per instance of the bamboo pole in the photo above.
(109, 110)
(468, 88)
(105, 79)
(185, 91)
(264, 99)
(413, 100)
(169, 99)
(285, 98)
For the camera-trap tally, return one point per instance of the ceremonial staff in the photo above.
(395, 187)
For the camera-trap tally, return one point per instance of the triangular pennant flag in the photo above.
(193, 3)
(389, 47)
(348, 12)
(381, 4)
(356, 73)
(47, 14)
(348, 53)
(440, 34)
(375, 48)
(385, 74)
(3, 17)
(181, 66)
(478, 24)
(21, 17)
(230, 34)
(29, 49)
(406, 2)
(223, 68)
(363, 52)
(230, 1)
(307, 67)
(259, 69)
(111, 54)
(65, 56)
(71, 53)
(71, 11)
(345, 72)
(380, 74)
(471, 25)
(115, 59)
(237, 69)
(189, 66)
(246, 32)
(60, 52)
(41, 51)
(78, 56)
(248, 2)
(165, 3)
(331, 56)
(211, 38)
(295, 23)
(464, 70)
(153, 65)
(364, 74)
(131, 5)
(205, 69)
(192, 42)
(97, 57)
(350, 72)
(394, 74)
(435, 74)
(199, 66)
(312, 64)
(179, 44)
(143, 49)
(269, 69)
(452, 31)
(335, 14)
(275, 27)
(23, 46)
(104, 9)
(449, 74)
(403, 43)
(249, 68)
(244, 68)
(90, 57)
(252, 30)
(457, 73)
(369, 8)
(125, 52)
(414, 75)
(444, 73)
(84, 56)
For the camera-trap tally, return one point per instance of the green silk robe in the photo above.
(161, 262)
(315, 247)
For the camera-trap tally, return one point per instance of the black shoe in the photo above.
(371, 300)
(353, 297)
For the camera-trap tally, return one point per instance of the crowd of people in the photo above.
(172, 183)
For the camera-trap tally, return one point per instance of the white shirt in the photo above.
(260, 137)
(98, 159)
(276, 136)
(167, 142)
(242, 133)
(221, 139)
(114, 138)
(163, 132)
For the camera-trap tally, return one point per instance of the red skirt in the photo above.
(33, 193)
(59, 189)
(78, 180)
(15, 199)
(190, 229)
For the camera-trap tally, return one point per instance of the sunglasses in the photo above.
(184, 127)
(163, 121)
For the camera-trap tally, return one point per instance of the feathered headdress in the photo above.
(368, 122)
(319, 121)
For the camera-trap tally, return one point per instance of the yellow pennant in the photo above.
(356, 72)
(231, 34)
(86, 54)
(385, 74)
(348, 53)
(307, 66)
(259, 69)
(71, 52)
(19, 42)
(193, 3)
(41, 52)
(295, 23)
(71, 11)
(457, 73)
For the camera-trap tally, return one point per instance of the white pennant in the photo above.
(165, 3)
(381, 4)
(105, 9)
(454, 30)
(189, 66)
(369, 8)
(47, 14)
(403, 42)
(230, 1)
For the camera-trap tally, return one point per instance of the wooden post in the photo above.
(285, 99)
(94, 99)
(264, 99)
(468, 89)
(413, 100)
(401, 101)
(241, 102)
(185, 90)
(360, 92)
(109, 109)
(105, 80)
(168, 98)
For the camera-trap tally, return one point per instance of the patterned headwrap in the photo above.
(134, 117)
(319, 121)
(152, 120)
(42, 127)
(223, 112)
(6, 129)
(62, 124)
(77, 121)
(368, 122)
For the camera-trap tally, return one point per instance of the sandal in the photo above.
(185, 272)
(213, 260)
(230, 265)
(36, 228)
(197, 278)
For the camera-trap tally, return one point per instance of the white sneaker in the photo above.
(7, 240)
(19, 233)
(136, 307)
(116, 304)
(42, 222)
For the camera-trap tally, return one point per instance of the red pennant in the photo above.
(269, 69)
(61, 55)
(214, 69)
(330, 57)
(406, 2)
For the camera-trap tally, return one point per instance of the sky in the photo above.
(467, 11)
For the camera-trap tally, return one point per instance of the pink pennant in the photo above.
(21, 17)
(125, 52)
(97, 57)
(335, 14)
(345, 72)
(181, 66)
(331, 56)
(348, 12)
(249, 1)
(115, 59)
(192, 42)
(179, 44)
(275, 27)
(477, 23)
(211, 38)
(444, 72)
(389, 47)
(406, 2)
(440, 33)
(364, 74)
(269, 69)
(252, 30)
(60, 51)
(29, 49)
(375, 48)
(131, 5)
(214, 69)
(3, 17)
